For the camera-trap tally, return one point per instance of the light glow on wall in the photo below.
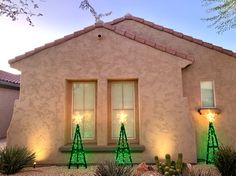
(39, 143)
(164, 145)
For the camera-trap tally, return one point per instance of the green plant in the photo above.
(14, 159)
(110, 168)
(179, 163)
(225, 161)
(169, 167)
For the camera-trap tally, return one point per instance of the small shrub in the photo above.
(14, 159)
(112, 169)
(225, 161)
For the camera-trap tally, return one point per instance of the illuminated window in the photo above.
(84, 105)
(123, 99)
(207, 94)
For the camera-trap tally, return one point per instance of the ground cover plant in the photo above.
(13, 159)
(110, 168)
(225, 161)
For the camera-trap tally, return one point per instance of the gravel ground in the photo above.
(56, 171)
(201, 169)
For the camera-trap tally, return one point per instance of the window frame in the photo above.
(213, 91)
(68, 111)
(136, 112)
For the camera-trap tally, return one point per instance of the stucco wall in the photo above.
(208, 65)
(7, 99)
(39, 118)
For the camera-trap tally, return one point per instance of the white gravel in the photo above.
(56, 171)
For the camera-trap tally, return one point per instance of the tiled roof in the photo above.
(9, 77)
(107, 26)
(175, 33)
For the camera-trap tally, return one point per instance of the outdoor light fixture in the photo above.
(212, 142)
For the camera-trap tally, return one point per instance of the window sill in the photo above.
(96, 148)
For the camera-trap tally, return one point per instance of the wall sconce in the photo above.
(212, 142)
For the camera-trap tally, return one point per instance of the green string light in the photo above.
(123, 155)
(77, 156)
(212, 144)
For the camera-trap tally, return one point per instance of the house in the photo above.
(161, 79)
(9, 92)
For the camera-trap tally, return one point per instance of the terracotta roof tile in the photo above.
(187, 37)
(107, 26)
(9, 77)
(139, 39)
(177, 34)
(228, 52)
(117, 20)
(168, 50)
(150, 43)
(148, 23)
(160, 47)
(217, 48)
(110, 27)
(141, 20)
(158, 27)
(180, 55)
(208, 45)
(70, 36)
(58, 41)
(200, 42)
(171, 31)
(129, 35)
(120, 31)
(129, 17)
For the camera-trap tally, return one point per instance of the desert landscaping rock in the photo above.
(56, 171)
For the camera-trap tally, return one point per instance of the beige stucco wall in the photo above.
(208, 65)
(7, 99)
(39, 116)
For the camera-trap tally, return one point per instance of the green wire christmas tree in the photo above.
(77, 156)
(123, 155)
(212, 144)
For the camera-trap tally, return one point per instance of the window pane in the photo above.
(116, 94)
(89, 93)
(130, 124)
(84, 105)
(115, 124)
(88, 125)
(207, 94)
(128, 95)
(78, 96)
